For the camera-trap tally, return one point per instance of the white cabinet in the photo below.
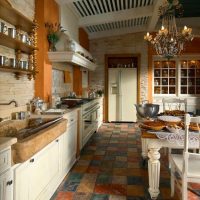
(33, 176)
(70, 141)
(39, 177)
(6, 174)
(6, 185)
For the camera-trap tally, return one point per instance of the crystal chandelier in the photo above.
(168, 42)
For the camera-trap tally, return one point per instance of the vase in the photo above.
(52, 46)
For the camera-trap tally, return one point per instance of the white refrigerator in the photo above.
(122, 94)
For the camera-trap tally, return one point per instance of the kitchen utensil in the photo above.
(13, 62)
(3, 27)
(3, 60)
(147, 109)
(12, 32)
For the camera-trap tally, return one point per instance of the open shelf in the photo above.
(18, 72)
(16, 44)
(14, 17)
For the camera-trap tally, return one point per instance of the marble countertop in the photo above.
(6, 142)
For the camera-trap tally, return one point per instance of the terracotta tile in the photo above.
(93, 169)
(120, 171)
(121, 158)
(86, 187)
(117, 197)
(98, 157)
(82, 196)
(65, 195)
(111, 189)
(135, 190)
(89, 178)
(80, 169)
(86, 157)
(119, 180)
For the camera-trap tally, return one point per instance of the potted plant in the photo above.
(54, 31)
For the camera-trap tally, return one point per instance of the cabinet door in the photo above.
(21, 184)
(44, 167)
(6, 185)
(69, 146)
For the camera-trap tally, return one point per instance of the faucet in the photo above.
(12, 101)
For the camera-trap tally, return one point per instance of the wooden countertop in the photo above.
(6, 142)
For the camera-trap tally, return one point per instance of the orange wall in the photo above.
(83, 38)
(77, 73)
(190, 48)
(45, 11)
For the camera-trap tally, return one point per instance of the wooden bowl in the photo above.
(153, 125)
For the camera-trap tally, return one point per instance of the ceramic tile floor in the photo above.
(110, 168)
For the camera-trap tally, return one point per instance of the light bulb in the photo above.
(185, 27)
(162, 28)
(147, 33)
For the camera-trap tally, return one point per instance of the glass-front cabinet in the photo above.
(177, 77)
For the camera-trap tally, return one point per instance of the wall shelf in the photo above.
(14, 17)
(22, 23)
(16, 44)
(19, 72)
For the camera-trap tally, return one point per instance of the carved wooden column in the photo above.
(154, 172)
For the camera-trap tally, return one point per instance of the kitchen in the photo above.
(86, 53)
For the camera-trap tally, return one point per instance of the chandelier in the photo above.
(168, 42)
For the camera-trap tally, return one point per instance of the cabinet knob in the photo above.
(9, 182)
(32, 160)
(72, 120)
(57, 140)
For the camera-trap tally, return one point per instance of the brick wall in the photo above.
(126, 44)
(21, 90)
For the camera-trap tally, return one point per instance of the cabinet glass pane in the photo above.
(172, 81)
(156, 90)
(184, 64)
(157, 73)
(165, 90)
(171, 90)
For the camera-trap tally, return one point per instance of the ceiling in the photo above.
(102, 18)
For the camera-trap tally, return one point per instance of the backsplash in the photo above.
(59, 88)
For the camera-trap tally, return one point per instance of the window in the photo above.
(176, 77)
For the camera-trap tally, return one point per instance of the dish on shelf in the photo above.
(173, 113)
(153, 125)
(194, 127)
(174, 128)
(169, 119)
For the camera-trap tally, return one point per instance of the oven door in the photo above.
(87, 124)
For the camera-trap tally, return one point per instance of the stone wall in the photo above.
(21, 90)
(126, 44)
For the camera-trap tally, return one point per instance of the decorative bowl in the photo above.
(170, 119)
(147, 110)
(174, 129)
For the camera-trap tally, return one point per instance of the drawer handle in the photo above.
(9, 182)
(32, 160)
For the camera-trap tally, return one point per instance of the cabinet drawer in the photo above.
(5, 159)
(71, 117)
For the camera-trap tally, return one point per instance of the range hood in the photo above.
(76, 56)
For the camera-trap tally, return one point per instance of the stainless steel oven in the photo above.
(89, 120)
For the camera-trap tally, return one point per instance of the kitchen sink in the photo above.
(32, 134)
(35, 125)
(73, 102)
